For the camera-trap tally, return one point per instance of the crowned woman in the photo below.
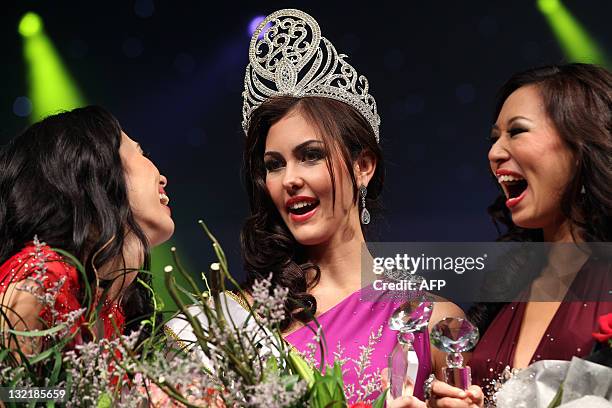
(313, 169)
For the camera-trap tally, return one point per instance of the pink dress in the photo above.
(350, 323)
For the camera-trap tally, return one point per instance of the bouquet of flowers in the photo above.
(565, 384)
(232, 359)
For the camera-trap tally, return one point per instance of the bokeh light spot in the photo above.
(22, 106)
(30, 24)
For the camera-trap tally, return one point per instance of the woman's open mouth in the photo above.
(164, 199)
(301, 208)
(514, 186)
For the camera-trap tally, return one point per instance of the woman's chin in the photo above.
(526, 222)
(309, 238)
(162, 234)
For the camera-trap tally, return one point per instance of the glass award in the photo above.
(454, 336)
(412, 317)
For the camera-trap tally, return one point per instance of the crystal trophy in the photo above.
(413, 316)
(454, 336)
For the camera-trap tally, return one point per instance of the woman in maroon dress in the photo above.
(77, 182)
(551, 154)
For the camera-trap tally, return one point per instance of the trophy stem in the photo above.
(460, 377)
(455, 335)
(403, 368)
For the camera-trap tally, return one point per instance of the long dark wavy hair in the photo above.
(62, 179)
(267, 244)
(578, 100)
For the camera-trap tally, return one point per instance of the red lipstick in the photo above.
(301, 199)
(514, 201)
(506, 172)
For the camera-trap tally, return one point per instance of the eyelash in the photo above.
(307, 156)
(512, 132)
(515, 131)
(272, 165)
(314, 154)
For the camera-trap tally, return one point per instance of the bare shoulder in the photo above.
(444, 308)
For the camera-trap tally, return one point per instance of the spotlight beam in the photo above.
(574, 40)
(52, 89)
(51, 86)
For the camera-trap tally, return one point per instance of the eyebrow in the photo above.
(296, 148)
(518, 117)
(512, 119)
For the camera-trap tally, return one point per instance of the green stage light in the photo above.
(548, 6)
(30, 24)
(51, 86)
(52, 90)
(575, 41)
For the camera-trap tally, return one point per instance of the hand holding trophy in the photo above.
(413, 316)
(454, 336)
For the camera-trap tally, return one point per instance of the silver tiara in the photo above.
(291, 58)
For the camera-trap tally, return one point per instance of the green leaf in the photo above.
(56, 368)
(336, 383)
(380, 401)
(105, 401)
(556, 401)
(320, 396)
(38, 333)
(271, 367)
(301, 367)
(328, 389)
(43, 356)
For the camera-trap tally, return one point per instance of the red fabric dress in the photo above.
(568, 334)
(61, 283)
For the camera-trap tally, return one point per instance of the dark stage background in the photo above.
(172, 72)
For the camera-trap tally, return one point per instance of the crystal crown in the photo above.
(288, 56)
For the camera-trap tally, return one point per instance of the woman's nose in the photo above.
(292, 179)
(498, 152)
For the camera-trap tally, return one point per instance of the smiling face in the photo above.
(300, 185)
(146, 194)
(530, 160)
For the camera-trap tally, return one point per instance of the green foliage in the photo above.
(220, 339)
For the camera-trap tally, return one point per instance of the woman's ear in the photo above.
(364, 167)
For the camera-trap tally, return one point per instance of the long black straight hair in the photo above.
(62, 179)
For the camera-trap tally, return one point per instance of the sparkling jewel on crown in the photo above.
(292, 58)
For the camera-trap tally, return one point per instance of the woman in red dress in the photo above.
(551, 155)
(75, 181)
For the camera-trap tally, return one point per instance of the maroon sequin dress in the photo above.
(568, 334)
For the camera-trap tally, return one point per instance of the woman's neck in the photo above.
(565, 259)
(123, 269)
(340, 259)
(559, 232)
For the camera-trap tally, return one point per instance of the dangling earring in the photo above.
(365, 214)
(583, 190)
